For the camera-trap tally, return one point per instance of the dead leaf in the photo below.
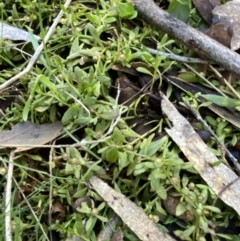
(220, 34)
(78, 203)
(26, 189)
(126, 70)
(228, 15)
(117, 236)
(128, 94)
(58, 212)
(130, 213)
(25, 135)
(12, 33)
(205, 7)
(196, 151)
(171, 204)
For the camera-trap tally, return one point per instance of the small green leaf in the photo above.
(144, 71)
(216, 163)
(70, 114)
(204, 223)
(109, 20)
(35, 46)
(160, 209)
(154, 147)
(122, 162)
(74, 46)
(145, 145)
(112, 155)
(82, 52)
(213, 209)
(189, 77)
(156, 185)
(179, 10)
(93, 18)
(185, 180)
(222, 101)
(101, 206)
(41, 108)
(228, 236)
(90, 224)
(181, 209)
(27, 107)
(103, 219)
(109, 115)
(186, 233)
(173, 162)
(143, 167)
(126, 10)
(94, 34)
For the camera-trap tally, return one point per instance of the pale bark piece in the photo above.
(197, 152)
(130, 213)
(235, 42)
(205, 7)
(228, 14)
(25, 135)
(192, 38)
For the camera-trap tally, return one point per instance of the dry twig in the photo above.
(177, 57)
(8, 195)
(192, 38)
